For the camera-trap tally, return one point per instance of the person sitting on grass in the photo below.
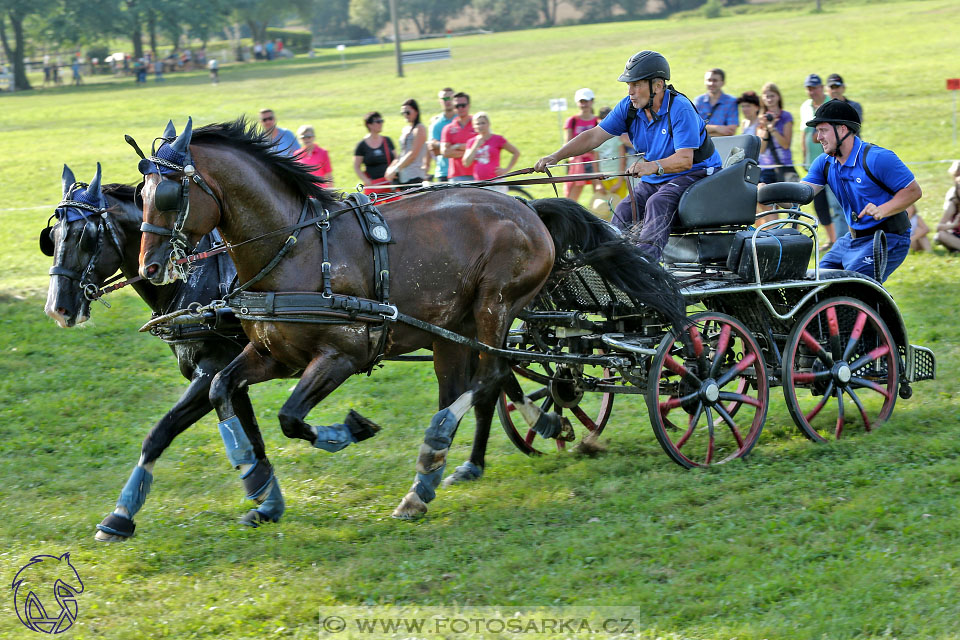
(948, 231)
(918, 231)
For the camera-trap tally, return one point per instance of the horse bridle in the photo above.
(105, 227)
(171, 195)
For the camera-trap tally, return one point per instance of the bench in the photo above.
(424, 55)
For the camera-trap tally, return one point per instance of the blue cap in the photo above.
(813, 80)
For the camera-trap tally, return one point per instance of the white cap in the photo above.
(583, 94)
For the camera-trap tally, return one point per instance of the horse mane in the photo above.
(124, 192)
(244, 136)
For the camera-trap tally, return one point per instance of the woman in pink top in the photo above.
(482, 154)
(574, 126)
(316, 158)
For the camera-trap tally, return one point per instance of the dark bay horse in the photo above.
(98, 233)
(463, 259)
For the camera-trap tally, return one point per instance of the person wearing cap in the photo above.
(663, 125)
(435, 128)
(574, 126)
(312, 155)
(718, 109)
(874, 188)
(810, 149)
(837, 89)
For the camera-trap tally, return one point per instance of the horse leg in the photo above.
(191, 406)
(322, 376)
(547, 424)
(241, 434)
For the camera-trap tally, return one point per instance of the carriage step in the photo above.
(923, 365)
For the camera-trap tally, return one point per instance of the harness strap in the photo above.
(284, 250)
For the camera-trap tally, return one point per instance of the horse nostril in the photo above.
(151, 270)
(62, 312)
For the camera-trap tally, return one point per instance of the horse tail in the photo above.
(581, 238)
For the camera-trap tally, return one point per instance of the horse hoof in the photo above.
(103, 536)
(467, 472)
(410, 508)
(254, 519)
(567, 433)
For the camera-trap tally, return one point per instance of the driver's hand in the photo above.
(544, 162)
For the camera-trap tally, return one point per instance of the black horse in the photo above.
(464, 260)
(98, 233)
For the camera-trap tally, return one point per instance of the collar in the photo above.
(854, 152)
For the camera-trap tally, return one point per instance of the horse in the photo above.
(97, 234)
(465, 261)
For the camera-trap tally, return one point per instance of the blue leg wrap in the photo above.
(426, 483)
(333, 438)
(273, 507)
(548, 425)
(235, 441)
(443, 425)
(135, 491)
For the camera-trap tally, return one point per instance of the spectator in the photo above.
(258, 51)
(269, 47)
(312, 155)
(454, 138)
(158, 70)
(284, 141)
(776, 132)
(75, 67)
(810, 149)
(437, 123)
(918, 231)
(574, 126)
(409, 168)
(612, 158)
(749, 103)
(214, 67)
(47, 76)
(482, 155)
(718, 109)
(874, 193)
(837, 89)
(948, 231)
(374, 153)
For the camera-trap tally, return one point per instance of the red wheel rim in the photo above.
(840, 370)
(692, 387)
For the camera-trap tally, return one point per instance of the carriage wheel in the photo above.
(591, 409)
(699, 382)
(839, 348)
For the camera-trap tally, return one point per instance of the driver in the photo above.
(663, 125)
(874, 193)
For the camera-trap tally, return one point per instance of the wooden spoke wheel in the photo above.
(840, 361)
(560, 389)
(696, 386)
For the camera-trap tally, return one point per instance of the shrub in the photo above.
(713, 9)
(296, 41)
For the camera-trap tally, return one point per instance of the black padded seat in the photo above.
(786, 193)
(729, 196)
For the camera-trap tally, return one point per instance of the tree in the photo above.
(16, 13)
(428, 16)
(505, 15)
(372, 15)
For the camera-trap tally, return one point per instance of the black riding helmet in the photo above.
(835, 112)
(646, 65)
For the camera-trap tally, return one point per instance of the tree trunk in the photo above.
(152, 32)
(258, 30)
(136, 39)
(15, 54)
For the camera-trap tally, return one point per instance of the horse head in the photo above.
(86, 248)
(176, 211)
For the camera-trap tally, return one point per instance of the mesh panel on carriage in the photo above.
(583, 289)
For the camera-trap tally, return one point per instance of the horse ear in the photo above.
(182, 142)
(94, 188)
(170, 132)
(68, 179)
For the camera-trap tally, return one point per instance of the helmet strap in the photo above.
(836, 134)
(649, 106)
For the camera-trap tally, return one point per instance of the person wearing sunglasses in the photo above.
(410, 167)
(373, 153)
(437, 123)
(663, 125)
(837, 89)
(483, 152)
(284, 141)
(454, 139)
(315, 157)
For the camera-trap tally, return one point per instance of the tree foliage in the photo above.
(372, 15)
(505, 15)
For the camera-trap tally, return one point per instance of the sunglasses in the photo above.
(463, 105)
(306, 137)
(376, 121)
(267, 119)
(405, 113)
(835, 86)
(446, 98)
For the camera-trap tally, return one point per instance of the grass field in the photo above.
(857, 539)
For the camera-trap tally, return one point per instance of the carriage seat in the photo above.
(708, 208)
(786, 193)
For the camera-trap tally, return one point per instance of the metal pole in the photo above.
(955, 117)
(396, 36)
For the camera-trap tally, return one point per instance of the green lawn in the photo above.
(857, 539)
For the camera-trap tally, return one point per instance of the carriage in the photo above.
(834, 341)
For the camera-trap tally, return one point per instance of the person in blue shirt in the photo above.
(874, 188)
(284, 140)
(718, 109)
(664, 126)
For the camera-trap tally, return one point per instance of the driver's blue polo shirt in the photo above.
(653, 138)
(849, 181)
